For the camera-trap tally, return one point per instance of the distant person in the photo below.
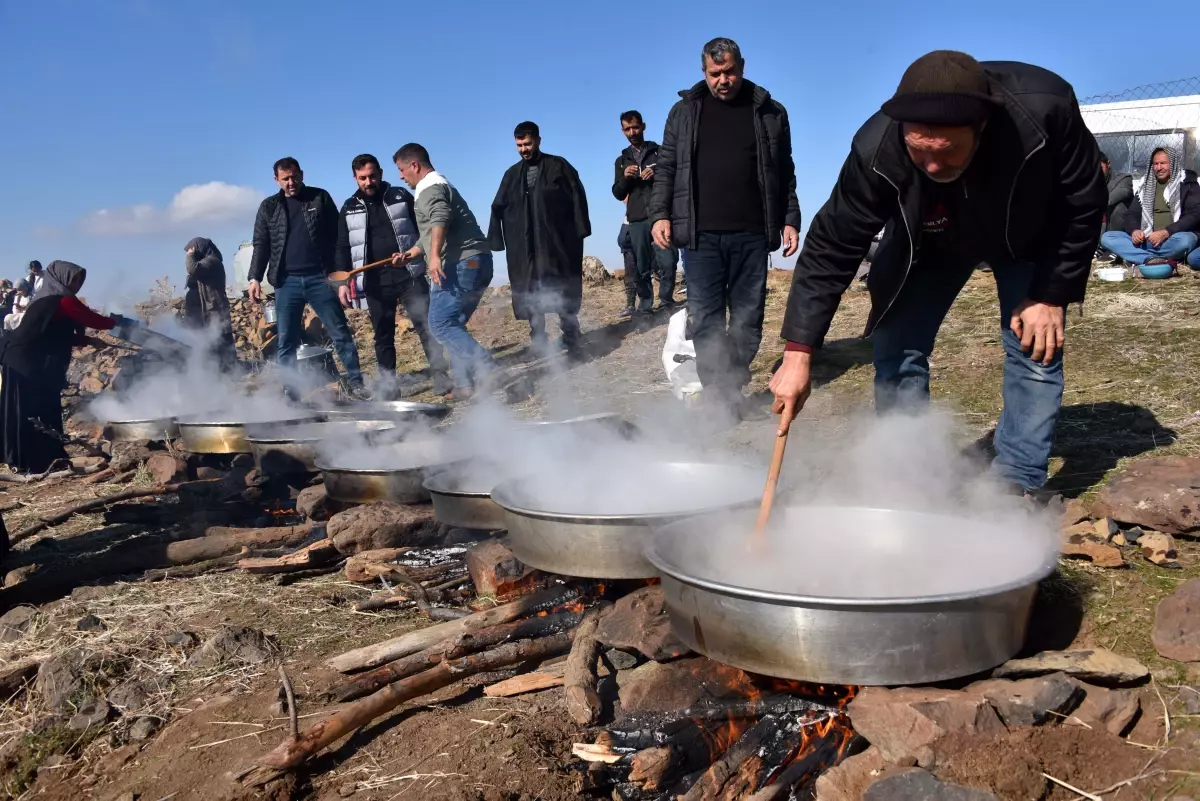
(633, 181)
(33, 367)
(7, 296)
(1120, 195)
(936, 165)
(378, 222)
(36, 274)
(1164, 219)
(206, 304)
(540, 218)
(20, 302)
(295, 235)
(725, 192)
(459, 265)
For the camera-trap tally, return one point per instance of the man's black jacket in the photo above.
(271, 230)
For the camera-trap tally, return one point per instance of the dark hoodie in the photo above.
(637, 190)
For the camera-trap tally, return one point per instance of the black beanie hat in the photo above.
(944, 87)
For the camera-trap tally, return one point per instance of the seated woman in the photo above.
(20, 302)
(34, 360)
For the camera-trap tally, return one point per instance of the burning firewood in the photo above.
(583, 702)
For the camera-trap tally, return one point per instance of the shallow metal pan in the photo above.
(291, 449)
(224, 433)
(161, 429)
(465, 500)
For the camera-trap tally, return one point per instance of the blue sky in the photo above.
(111, 109)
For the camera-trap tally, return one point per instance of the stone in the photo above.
(382, 524)
(1119, 540)
(91, 385)
(1107, 710)
(907, 721)
(1191, 699)
(89, 593)
(15, 678)
(1030, 702)
(915, 784)
(165, 468)
(93, 713)
(143, 729)
(851, 777)
(1161, 494)
(639, 622)
(206, 473)
(313, 503)
(15, 622)
(118, 759)
(347, 790)
(1177, 624)
(1106, 528)
(129, 696)
(620, 660)
(1158, 548)
(234, 644)
(1080, 540)
(672, 686)
(1096, 666)
(594, 271)
(130, 455)
(495, 571)
(58, 679)
(181, 639)
(1073, 511)
(90, 623)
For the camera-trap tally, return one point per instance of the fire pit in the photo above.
(160, 429)
(289, 449)
(225, 433)
(581, 523)
(391, 473)
(910, 598)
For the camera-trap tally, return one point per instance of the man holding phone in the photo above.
(634, 180)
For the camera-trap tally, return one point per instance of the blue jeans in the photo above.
(727, 298)
(652, 260)
(1175, 248)
(316, 291)
(1193, 259)
(1032, 391)
(450, 306)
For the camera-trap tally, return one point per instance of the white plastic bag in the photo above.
(685, 381)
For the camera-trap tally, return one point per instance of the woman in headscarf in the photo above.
(20, 302)
(33, 367)
(206, 303)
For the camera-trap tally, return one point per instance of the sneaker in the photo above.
(461, 394)
(669, 306)
(442, 384)
(626, 313)
(1159, 260)
(1103, 257)
(359, 392)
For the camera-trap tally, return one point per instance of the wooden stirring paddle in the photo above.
(346, 275)
(768, 498)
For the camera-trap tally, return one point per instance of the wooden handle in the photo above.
(768, 498)
(343, 275)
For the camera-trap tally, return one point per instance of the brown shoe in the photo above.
(461, 394)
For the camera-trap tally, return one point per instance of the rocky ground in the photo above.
(129, 688)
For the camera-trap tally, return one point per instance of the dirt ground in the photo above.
(1133, 362)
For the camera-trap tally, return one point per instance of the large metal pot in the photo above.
(463, 498)
(225, 433)
(389, 473)
(597, 525)
(396, 411)
(290, 449)
(159, 429)
(727, 597)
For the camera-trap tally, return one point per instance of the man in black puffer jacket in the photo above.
(295, 234)
(725, 191)
(966, 163)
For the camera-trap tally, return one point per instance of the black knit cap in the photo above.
(944, 87)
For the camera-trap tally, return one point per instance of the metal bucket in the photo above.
(892, 639)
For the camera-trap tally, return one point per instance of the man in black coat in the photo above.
(540, 217)
(966, 163)
(725, 192)
(1120, 195)
(295, 234)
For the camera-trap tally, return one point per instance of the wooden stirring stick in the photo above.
(346, 275)
(768, 498)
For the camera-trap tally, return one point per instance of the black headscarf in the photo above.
(202, 248)
(57, 280)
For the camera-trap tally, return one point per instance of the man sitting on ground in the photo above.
(1164, 218)
(1120, 195)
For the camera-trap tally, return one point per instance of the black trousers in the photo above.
(413, 296)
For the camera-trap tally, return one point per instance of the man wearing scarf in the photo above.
(1164, 220)
(967, 163)
(33, 367)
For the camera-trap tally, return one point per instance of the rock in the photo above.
(143, 729)
(906, 721)
(181, 639)
(206, 473)
(313, 503)
(117, 760)
(671, 686)
(14, 678)
(91, 385)
(495, 571)
(60, 678)
(52, 763)
(346, 790)
(1081, 540)
(234, 644)
(1074, 511)
(1158, 548)
(1132, 535)
(594, 272)
(165, 468)
(639, 622)
(917, 785)
(1106, 528)
(382, 524)
(1177, 623)
(851, 777)
(620, 660)
(1097, 666)
(129, 696)
(90, 623)
(93, 713)
(1119, 540)
(1109, 710)
(1161, 494)
(129, 455)
(1191, 699)
(15, 622)
(1030, 702)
